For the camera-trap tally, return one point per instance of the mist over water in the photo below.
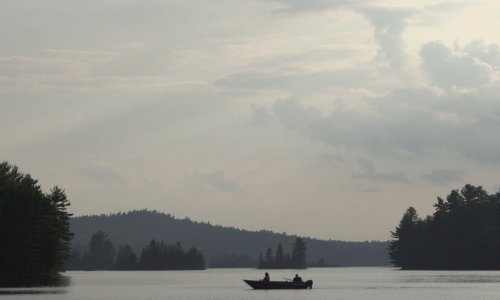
(329, 283)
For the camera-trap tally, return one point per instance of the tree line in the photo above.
(220, 244)
(463, 233)
(34, 230)
(156, 255)
(280, 260)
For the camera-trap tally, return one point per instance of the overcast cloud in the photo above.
(312, 115)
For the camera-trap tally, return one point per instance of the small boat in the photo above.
(275, 285)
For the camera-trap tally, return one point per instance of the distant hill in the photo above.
(137, 228)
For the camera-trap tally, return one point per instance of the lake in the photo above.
(329, 283)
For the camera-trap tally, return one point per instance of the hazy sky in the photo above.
(325, 118)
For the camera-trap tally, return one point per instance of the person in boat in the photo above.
(297, 278)
(266, 277)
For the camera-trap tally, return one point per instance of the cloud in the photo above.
(329, 160)
(434, 14)
(293, 6)
(388, 26)
(369, 172)
(261, 116)
(447, 68)
(343, 127)
(221, 183)
(100, 174)
(116, 124)
(444, 176)
(388, 23)
(370, 189)
(415, 121)
(73, 71)
(299, 81)
(487, 53)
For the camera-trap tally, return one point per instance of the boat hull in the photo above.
(278, 285)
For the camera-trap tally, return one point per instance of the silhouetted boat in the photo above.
(271, 285)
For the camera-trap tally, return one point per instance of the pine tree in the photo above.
(279, 259)
(101, 252)
(463, 233)
(34, 230)
(126, 258)
(403, 240)
(299, 253)
(269, 258)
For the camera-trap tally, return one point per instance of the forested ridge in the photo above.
(240, 247)
(462, 234)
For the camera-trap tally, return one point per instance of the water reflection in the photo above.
(466, 277)
(31, 291)
(226, 284)
(56, 287)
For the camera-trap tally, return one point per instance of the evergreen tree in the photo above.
(161, 256)
(60, 236)
(269, 258)
(194, 260)
(101, 252)
(404, 244)
(463, 233)
(34, 230)
(75, 261)
(279, 260)
(299, 253)
(126, 258)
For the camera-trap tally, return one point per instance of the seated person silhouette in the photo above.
(297, 278)
(266, 277)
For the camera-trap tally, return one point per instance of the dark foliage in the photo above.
(281, 261)
(34, 230)
(137, 228)
(320, 263)
(299, 252)
(126, 259)
(462, 234)
(101, 252)
(161, 256)
(155, 256)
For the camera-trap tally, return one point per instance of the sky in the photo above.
(322, 118)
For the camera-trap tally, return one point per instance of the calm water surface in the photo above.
(329, 283)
